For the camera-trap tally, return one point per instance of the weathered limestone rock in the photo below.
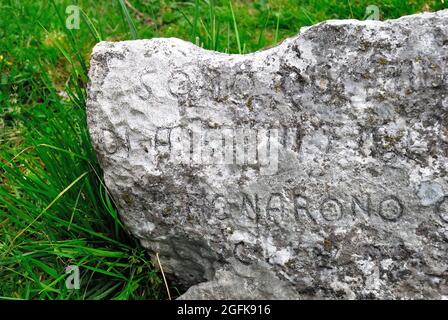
(315, 169)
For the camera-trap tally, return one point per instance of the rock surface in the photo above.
(314, 169)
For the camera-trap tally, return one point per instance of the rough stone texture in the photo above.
(353, 200)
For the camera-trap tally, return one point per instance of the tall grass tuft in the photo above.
(56, 212)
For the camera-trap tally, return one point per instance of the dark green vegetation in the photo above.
(54, 208)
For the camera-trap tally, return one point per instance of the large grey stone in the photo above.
(314, 169)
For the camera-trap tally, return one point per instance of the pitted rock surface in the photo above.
(314, 169)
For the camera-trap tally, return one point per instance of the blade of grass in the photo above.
(91, 26)
(277, 15)
(128, 19)
(50, 205)
(195, 22)
(235, 27)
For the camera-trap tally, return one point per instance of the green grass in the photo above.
(54, 208)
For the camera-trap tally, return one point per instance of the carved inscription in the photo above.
(257, 208)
